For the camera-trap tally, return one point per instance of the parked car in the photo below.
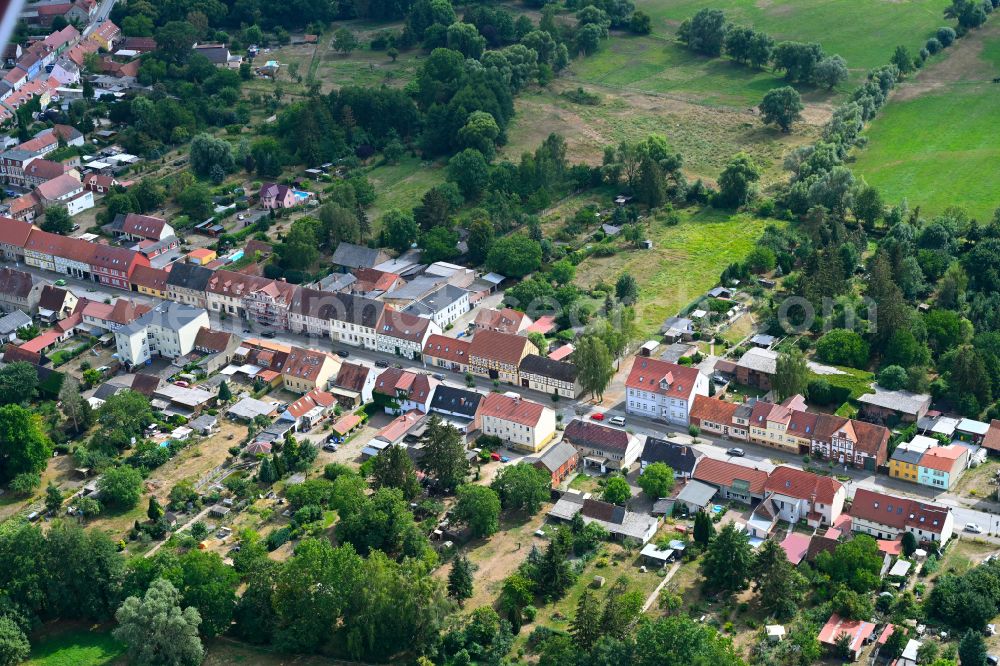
(736, 452)
(270, 333)
(60, 282)
(597, 416)
(974, 528)
(504, 459)
(617, 421)
(495, 456)
(331, 446)
(438, 376)
(343, 353)
(181, 383)
(381, 364)
(247, 330)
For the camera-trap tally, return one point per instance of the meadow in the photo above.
(74, 645)
(936, 143)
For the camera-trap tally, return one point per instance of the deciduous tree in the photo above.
(157, 631)
(781, 106)
(479, 508)
(522, 487)
(657, 480)
(728, 560)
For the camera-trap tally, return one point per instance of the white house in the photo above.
(168, 330)
(403, 334)
(521, 424)
(442, 306)
(888, 517)
(663, 391)
(801, 495)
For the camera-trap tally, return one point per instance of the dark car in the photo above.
(343, 353)
(268, 334)
(381, 364)
(736, 452)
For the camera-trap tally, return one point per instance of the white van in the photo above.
(617, 421)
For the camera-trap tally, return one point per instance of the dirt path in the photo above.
(656, 593)
(962, 65)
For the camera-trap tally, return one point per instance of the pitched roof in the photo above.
(45, 169)
(189, 276)
(593, 435)
(714, 410)
(212, 340)
(800, 484)
(897, 512)
(449, 349)
(304, 363)
(12, 321)
(899, 401)
(352, 376)
(370, 279)
(518, 410)
(357, 256)
(546, 367)
(146, 226)
(52, 298)
(679, 457)
(337, 307)
(724, 473)
(416, 386)
(145, 384)
(820, 544)
(456, 400)
(59, 187)
(404, 326)
(238, 285)
(992, 439)
(14, 232)
(556, 456)
(504, 348)
(308, 402)
(149, 277)
(942, 458)
(857, 630)
(12, 353)
(507, 320)
(655, 376)
(15, 283)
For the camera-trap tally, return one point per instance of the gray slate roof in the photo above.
(546, 367)
(189, 276)
(11, 322)
(350, 255)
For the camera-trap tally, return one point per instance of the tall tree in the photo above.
(972, 649)
(657, 480)
(522, 487)
(704, 529)
(24, 446)
(728, 561)
(890, 313)
(393, 468)
(157, 631)
(791, 375)
(479, 508)
(594, 365)
(460, 579)
(626, 288)
(616, 490)
(57, 220)
(14, 645)
(778, 585)
(74, 407)
(586, 625)
(18, 382)
(444, 454)
(738, 179)
(781, 106)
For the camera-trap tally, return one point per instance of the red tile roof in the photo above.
(145, 226)
(150, 278)
(655, 376)
(449, 349)
(504, 348)
(304, 363)
(352, 377)
(800, 484)
(311, 400)
(404, 326)
(507, 320)
(858, 630)
(14, 232)
(942, 458)
(597, 436)
(416, 386)
(713, 409)
(723, 473)
(517, 410)
(369, 279)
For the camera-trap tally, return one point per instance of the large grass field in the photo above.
(686, 261)
(936, 142)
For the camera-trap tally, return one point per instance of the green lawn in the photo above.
(401, 185)
(864, 32)
(686, 261)
(937, 143)
(78, 646)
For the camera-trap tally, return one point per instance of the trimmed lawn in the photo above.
(936, 141)
(75, 646)
(686, 261)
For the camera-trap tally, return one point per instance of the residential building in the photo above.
(135, 227)
(99, 183)
(888, 517)
(372, 283)
(663, 391)
(442, 306)
(106, 34)
(941, 466)
(905, 460)
(677, 453)
(110, 317)
(216, 348)
(308, 369)
(458, 406)
(55, 303)
(895, 405)
(65, 190)
(404, 334)
(720, 417)
(507, 320)
(11, 323)
(250, 297)
(559, 461)
(756, 368)
(274, 196)
(442, 352)
(991, 441)
(309, 410)
(218, 55)
(354, 384)
(603, 447)
(618, 521)
(410, 292)
(187, 284)
(522, 424)
(13, 237)
(858, 633)
(400, 391)
(499, 355)
(345, 318)
(553, 377)
(800, 495)
(40, 171)
(349, 256)
(150, 281)
(113, 266)
(13, 163)
(19, 291)
(676, 329)
(734, 481)
(169, 330)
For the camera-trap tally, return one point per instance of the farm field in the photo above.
(942, 122)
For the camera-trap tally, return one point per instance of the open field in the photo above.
(74, 645)
(686, 260)
(864, 32)
(707, 137)
(401, 185)
(941, 124)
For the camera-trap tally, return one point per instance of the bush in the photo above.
(946, 36)
(933, 45)
(843, 347)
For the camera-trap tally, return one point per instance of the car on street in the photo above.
(495, 456)
(504, 459)
(270, 333)
(247, 330)
(597, 416)
(343, 353)
(617, 421)
(735, 452)
(438, 376)
(973, 528)
(60, 282)
(381, 364)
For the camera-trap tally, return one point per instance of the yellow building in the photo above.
(905, 460)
